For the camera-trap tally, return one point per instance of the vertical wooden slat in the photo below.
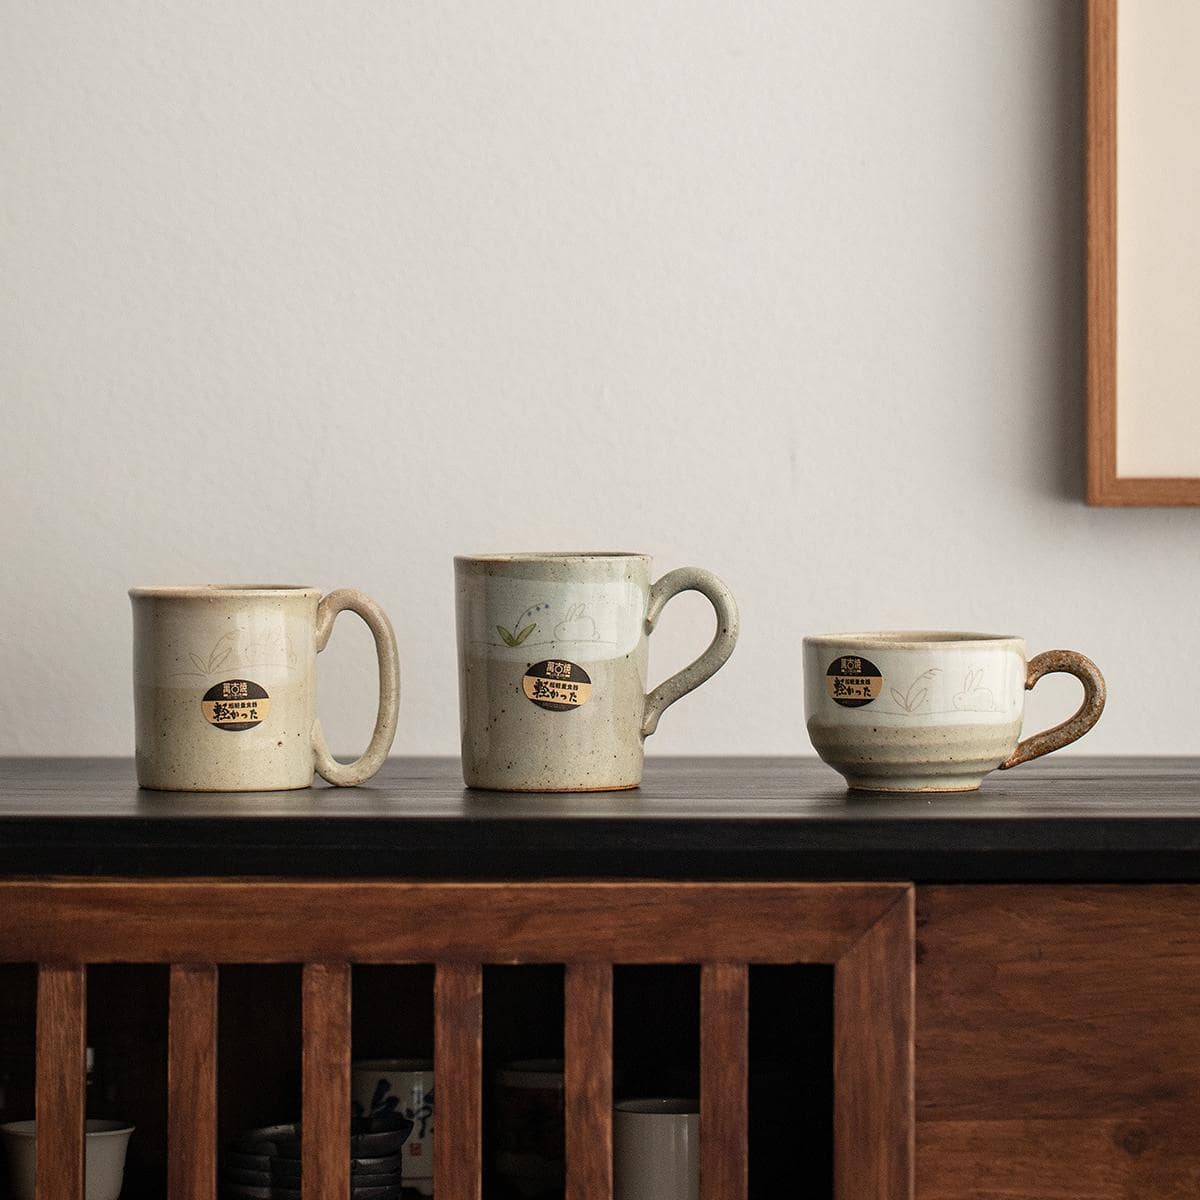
(458, 1066)
(724, 1090)
(192, 1084)
(588, 1081)
(873, 1070)
(325, 1127)
(61, 1081)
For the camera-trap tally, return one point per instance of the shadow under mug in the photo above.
(933, 711)
(552, 653)
(224, 681)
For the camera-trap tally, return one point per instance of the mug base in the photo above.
(550, 791)
(226, 789)
(909, 785)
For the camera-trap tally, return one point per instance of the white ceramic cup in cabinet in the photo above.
(656, 1149)
(104, 1158)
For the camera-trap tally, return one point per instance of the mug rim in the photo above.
(533, 556)
(94, 1127)
(912, 639)
(206, 591)
(659, 1106)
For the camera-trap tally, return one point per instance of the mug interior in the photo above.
(910, 638)
(201, 591)
(542, 556)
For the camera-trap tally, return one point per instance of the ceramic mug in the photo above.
(105, 1145)
(401, 1087)
(224, 682)
(552, 652)
(656, 1149)
(933, 712)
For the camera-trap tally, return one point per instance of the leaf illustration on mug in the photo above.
(915, 696)
(514, 638)
(519, 632)
(269, 651)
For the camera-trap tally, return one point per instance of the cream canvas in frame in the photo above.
(1143, 252)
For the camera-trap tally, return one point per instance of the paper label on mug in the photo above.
(523, 619)
(853, 681)
(235, 704)
(557, 685)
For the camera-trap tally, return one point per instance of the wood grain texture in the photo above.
(230, 921)
(325, 1070)
(61, 1078)
(588, 1094)
(874, 1003)
(1105, 485)
(724, 1085)
(1058, 1034)
(192, 1083)
(458, 1083)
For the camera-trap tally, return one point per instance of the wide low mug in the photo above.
(224, 681)
(933, 712)
(552, 652)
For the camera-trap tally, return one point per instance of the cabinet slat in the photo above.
(873, 1035)
(458, 1066)
(325, 1125)
(61, 1080)
(588, 1082)
(724, 1092)
(192, 1083)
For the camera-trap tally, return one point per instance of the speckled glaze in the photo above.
(224, 682)
(932, 711)
(552, 653)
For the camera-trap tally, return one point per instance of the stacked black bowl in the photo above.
(264, 1164)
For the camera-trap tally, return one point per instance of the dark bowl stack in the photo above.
(264, 1164)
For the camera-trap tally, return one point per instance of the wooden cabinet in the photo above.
(864, 932)
(1020, 1022)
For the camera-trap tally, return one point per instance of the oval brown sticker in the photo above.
(557, 685)
(235, 704)
(853, 681)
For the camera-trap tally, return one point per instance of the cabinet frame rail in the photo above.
(865, 931)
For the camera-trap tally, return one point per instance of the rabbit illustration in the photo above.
(576, 626)
(974, 698)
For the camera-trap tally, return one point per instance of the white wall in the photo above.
(327, 291)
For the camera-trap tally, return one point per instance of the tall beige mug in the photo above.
(552, 652)
(224, 682)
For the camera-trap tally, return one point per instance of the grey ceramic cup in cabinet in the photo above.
(933, 711)
(552, 652)
(224, 681)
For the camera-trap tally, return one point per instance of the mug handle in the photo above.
(690, 579)
(359, 771)
(1069, 662)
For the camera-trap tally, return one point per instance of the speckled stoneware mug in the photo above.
(224, 683)
(933, 712)
(552, 653)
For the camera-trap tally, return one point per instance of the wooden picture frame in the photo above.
(1108, 483)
